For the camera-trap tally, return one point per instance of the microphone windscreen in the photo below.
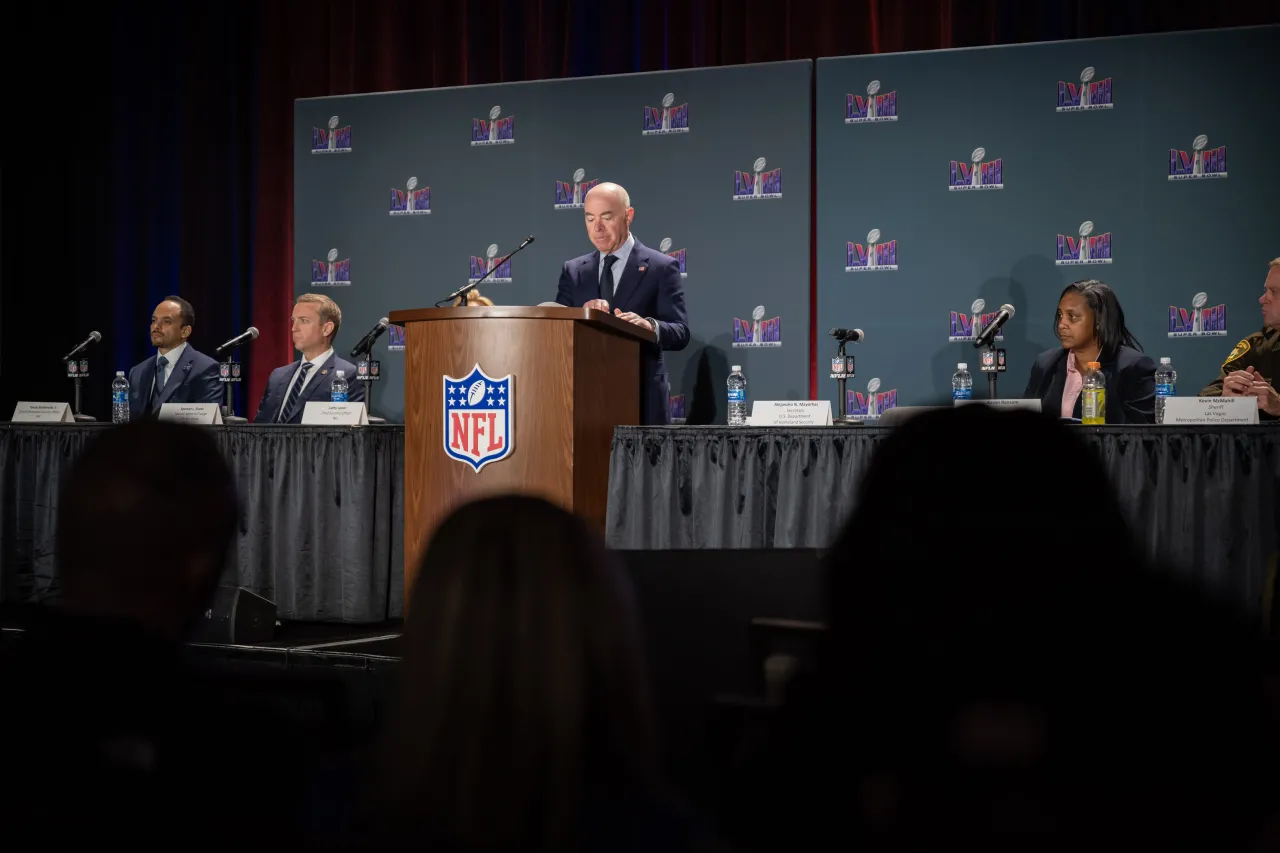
(96, 336)
(384, 322)
(1007, 307)
(253, 333)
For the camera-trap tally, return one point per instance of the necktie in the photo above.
(161, 363)
(286, 414)
(606, 278)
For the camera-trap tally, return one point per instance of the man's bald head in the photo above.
(608, 212)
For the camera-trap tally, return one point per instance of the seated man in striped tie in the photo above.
(178, 372)
(315, 323)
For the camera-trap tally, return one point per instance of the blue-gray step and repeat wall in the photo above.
(400, 198)
(1184, 239)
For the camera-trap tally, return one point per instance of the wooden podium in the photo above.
(574, 376)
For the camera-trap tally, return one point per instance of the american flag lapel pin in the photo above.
(641, 269)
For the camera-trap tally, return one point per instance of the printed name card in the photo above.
(1210, 411)
(790, 413)
(200, 414)
(320, 413)
(1031, 404)
(42, 413)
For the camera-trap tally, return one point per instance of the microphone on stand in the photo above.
(249, 334)
(93, 338)
(989, 333)
(472, 286)
(366, 343)
(847, 336)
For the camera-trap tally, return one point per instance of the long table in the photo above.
(1206, 500)
(323, 524)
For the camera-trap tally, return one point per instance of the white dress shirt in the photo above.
(172, 356)
(621, 253)
(316, 363)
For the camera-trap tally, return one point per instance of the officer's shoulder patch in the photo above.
(1238, 352)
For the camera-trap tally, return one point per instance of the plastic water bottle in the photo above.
(1166, 386)
(737, 397)
(120, 399)
(1094, 404)
(338, 389)
(961, 383)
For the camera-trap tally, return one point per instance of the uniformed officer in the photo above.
(1253, 368)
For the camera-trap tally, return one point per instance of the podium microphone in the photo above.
(366, 343)
(249, 334)
(461, 291)
(847, 336)
(989, 333)
(93, 338)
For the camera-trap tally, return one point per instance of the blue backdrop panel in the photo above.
(1053, 158)
(489, 188)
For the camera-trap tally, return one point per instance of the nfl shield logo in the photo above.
(479, 426)
(235, 370)
(224, 370)
(837, 364)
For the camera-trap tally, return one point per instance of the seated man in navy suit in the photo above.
(642, 286)
(315, 321)
(178, 373)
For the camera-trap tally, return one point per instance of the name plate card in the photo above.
(1210, 411)
(199, 414)
(790, 413)
(320, 413)
(42, 413)
(1031, 404)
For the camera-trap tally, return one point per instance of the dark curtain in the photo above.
(168, 128)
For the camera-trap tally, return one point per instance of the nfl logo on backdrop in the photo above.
(667, 118)
(569, 194)
(874, 257)
(967, 327)
(977, 174)
(480, 266)
(331, 140)
(678, 254)
(1204, 162)
(1091, 94)
(479, 426)
(410, 201)
(395, 338)
(759, 332)
(757, 184)
(331, 272)
(1088, 248)
(874, 107)
(495, 131)
(1200, 321)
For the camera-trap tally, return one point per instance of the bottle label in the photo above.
(119, 397)
(962, 393)
(1093, 407)
(1164, 390)
(338, 397)
(737, 395)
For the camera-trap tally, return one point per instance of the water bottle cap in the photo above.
(1093, 365)
(341, 373)
(1164, 359)
(962, 366)
(737, 368)
(119, 373)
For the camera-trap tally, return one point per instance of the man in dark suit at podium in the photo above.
(315, 323)
(640, 285)
(178, 373)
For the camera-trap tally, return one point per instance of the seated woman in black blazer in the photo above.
(1090, 324)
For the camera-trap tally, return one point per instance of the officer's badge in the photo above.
(1238, 352)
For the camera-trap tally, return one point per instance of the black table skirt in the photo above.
(1205, 500)
(322, 532)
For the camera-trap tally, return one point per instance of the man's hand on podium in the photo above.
(598, 304)
(633, 318)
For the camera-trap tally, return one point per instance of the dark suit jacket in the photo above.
(194, 379)
(1130, 380)
(650, 286)
(317, 388)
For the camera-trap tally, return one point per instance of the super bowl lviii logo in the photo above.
(757, 183)
(1088, 248)
(665, 248)
(1202, 321)
(481, 267)
(412, 200)
(872, 404)
(569, 194)
(479, 419)
(395, 338)
(675, 407)
(331, 272)
(495, 131)
(668, 118)
(967, 327)
(876, 106)
(876, 256)
(758, 332)
(1090, 94)
(1203, 162)
(977, 174)
(331, 139)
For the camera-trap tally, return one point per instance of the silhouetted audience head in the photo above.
(523, 706)
(146, 517)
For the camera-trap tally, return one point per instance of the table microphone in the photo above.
(249, 334)
(93, 338)
(989, 333)
(851, 336)
(366, 343)
(467, 288)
